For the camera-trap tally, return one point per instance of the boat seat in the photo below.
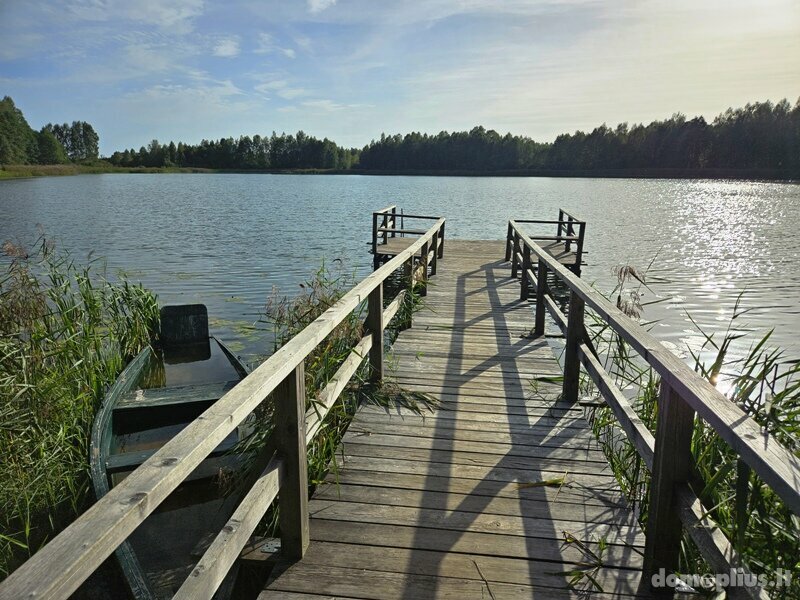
(167, 396)
(128, 461)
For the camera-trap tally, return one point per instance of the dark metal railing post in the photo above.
(524, 283)
(374, 324)
(541, 291)
(671, 466)
(572, 359)
(290, 436)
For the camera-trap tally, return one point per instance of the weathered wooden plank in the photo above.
(467, 566)
(467, 542)
(547, 495)
(208, 392)
(345, 491)
(211, 570)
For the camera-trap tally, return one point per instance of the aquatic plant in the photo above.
(286, 316)
(765, 384)
(65, 333)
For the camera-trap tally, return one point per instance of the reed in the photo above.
(764, 383)
(285, 317)
(65, 333)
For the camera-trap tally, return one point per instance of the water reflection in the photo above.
(226, 240)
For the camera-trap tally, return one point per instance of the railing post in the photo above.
(424, 263)
(374, 323)
(526, 266)
(394, 221)
(671, 464)
(514, 244)
(572, 359)
(441, 241)
(579, 248)
(384, 226)
(376, 261)
(508, 242)
(541, 290)
(435, 250)
(290, 437)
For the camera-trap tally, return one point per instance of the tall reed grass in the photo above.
(285, 317)
(764, 383)
(65, 333)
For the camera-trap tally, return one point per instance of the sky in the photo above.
(186, 70)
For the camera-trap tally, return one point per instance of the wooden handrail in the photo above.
(687, 392)
(77, 551)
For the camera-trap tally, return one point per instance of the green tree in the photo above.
(51, 152)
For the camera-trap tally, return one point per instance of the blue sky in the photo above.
(350, 69)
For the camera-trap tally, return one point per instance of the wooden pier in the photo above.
(498, 490)
(481, 496)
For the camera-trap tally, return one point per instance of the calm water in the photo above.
(227, 240)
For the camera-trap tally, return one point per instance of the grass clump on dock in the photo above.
(765, 384)
(65, 334)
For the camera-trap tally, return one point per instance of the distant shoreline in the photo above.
(8, 172)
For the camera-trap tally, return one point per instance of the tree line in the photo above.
(762, 135)
(52, 144)
(299, 151)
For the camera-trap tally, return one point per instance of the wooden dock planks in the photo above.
(484, 495)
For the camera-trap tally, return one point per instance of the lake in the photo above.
(228, 240)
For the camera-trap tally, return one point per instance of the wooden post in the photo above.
(671, 463)
(441, 241)
(394, 221)
(570, 233)
(541, 291)
(375, 325)
(385, 233)
(514, 244)
(579, 248)
(435, 250)
(509, 236)
(572, 359)
(424, 263)
(376, 261)
(290, 437)
(526, 265)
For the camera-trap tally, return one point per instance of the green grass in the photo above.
(765, 384)
(65, 334)
(286, 316)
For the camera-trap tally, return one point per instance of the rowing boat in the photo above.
(159, 393)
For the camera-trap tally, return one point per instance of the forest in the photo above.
(761, 137)
(52, 144)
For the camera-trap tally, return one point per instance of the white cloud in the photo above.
(227, 47)
(324, 105)
(288, 93)
(288, 52)
(176, 15)
(264, 44)
(316, 6)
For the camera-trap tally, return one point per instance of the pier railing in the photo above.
(385, 226)
(62, 565)
(569, 230)
(674, 506)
